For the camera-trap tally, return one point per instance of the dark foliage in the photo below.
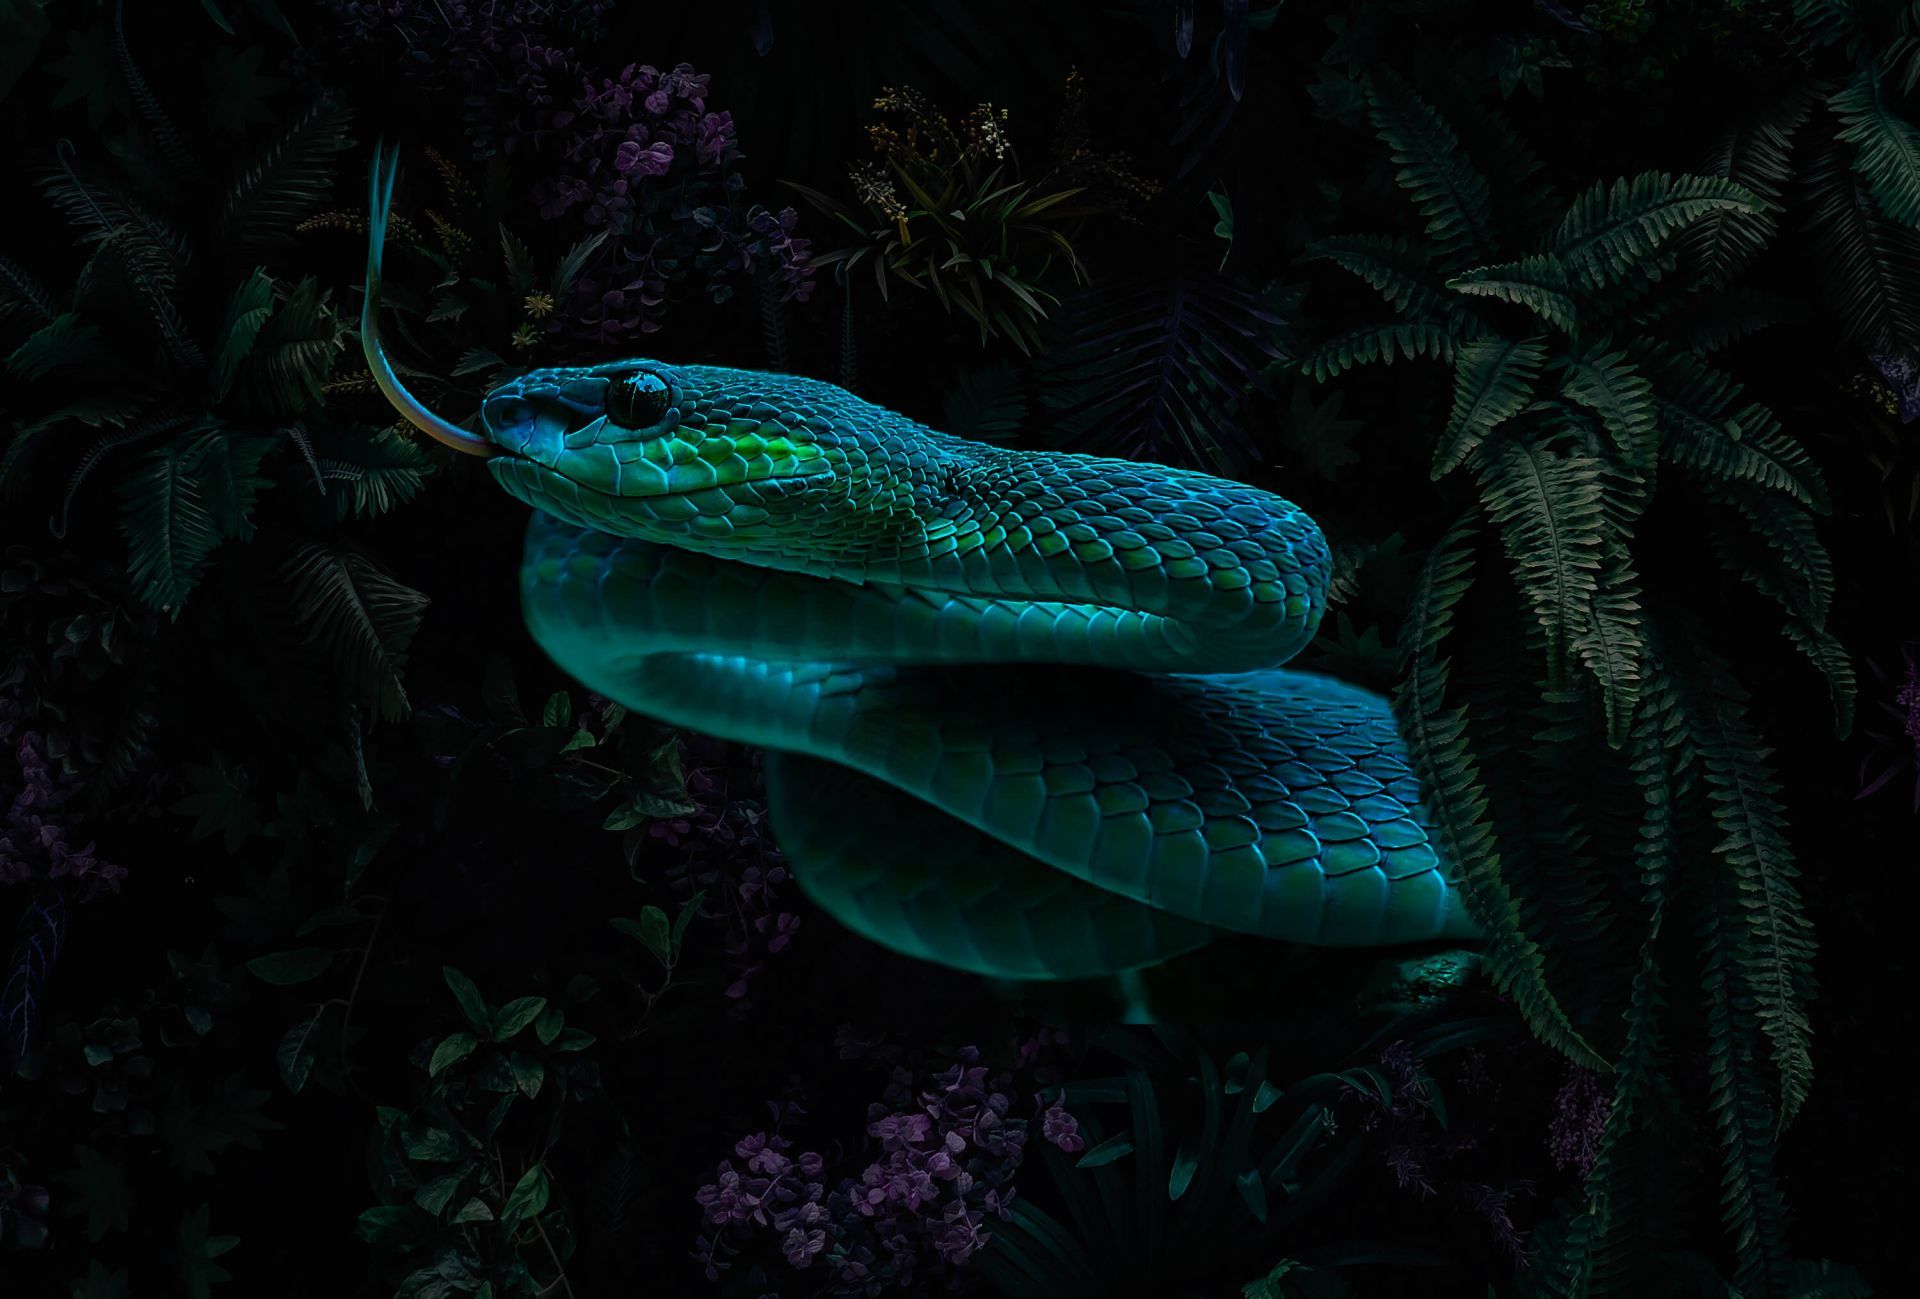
(350, 949)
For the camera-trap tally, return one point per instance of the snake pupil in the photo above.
(639, 400)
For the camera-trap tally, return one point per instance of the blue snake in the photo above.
(1023, 710)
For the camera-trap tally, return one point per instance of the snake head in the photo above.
(701, 456)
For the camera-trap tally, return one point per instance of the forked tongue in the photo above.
(386, 165)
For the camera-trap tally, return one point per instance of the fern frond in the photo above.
(172, 147)
(1435, 172)
(292, 353)
(1764, 938)
(1549, 508)
(1787, 530)
(1538, 283)
(1613, 231)
(382, 469)
(362, 617)
(1758, 156)
(1493, 381)
(247, 312)
(1393, 266)
(1870, 266)
(169, 526)
(1824, 650)
(1611, 386)
(1457, 801)
(63, 341)
(1370, 343)
(989, 403)
(289, 179)
(1887, 146)
(19, 291)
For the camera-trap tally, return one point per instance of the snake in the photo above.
(1024, 712)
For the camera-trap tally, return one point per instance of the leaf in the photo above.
(1612, 232)
(558, 710)
(568, 268)
(1253, 1192)
(475, 1210)
(360, 615)
(453, 1048)
(467, 993)
(528, 1074)
(688, 910)
(62, 341)
(169, 528)
(1434, 170)
(380, 470)
(1887, 144)
(289, 180)
(297, 1051)
(1492, 382)
(433, 1197)
(529, 1196)
(651, 931)
(296, 965)
(434, 1146)
(247, 312)
(1870, 266)
(516, 1015)
(1613, 387)
(988, 404)
(286, 370)
(547, 1024)
(1115, 1147)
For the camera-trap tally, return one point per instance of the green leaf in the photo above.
(573, 1039)
(380, 1222)
(529, 1196)
(467, 993)
(63, 341)
(528, 1074)
(434, 1146)
(169, 527)
(516, 1015)
(247, 312)
(475, 1210)
(1434, 170)
(361, 615)
(1612, 232)
(1115, 1147)
(1492, 382)
(1253, 1192)
(287, 181)
(1887, 145)
(296, 1053)
(453, 1048)
(558, 711)
(548, 1023)
(652, 931)
(433, 1197)
(688, 910)
(296, 965)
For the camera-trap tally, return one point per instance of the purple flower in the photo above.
(1580, 1113)
(1062, 1129)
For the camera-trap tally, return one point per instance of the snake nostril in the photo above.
(507, 417)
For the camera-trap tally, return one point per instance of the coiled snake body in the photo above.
(1022, 710)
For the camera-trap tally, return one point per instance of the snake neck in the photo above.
(1238, 573)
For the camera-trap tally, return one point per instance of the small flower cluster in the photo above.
(1580, 1112)
(918, 1210)
(646, 161)
(723, 848)
(35, 841)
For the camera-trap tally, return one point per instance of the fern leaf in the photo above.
(165, 133)
(1608, 642)
(1870, 267)
(19, 291)
(1539, 284)
(1767, 941)
(1157, 366)
(1457, 803)
(1758, 157)
(292, 354)
(1613, 388)
(383, 470)
(1393, 266)
(169, 526)
(1370, 343)
(361, 616)
(1887, 146)
(1492, 382)
(989, 403)
(289, 180)
(1788, 532)
(1825, 652)
(1435, 171)
(63, 341)
(226, 465)
(247, 311)
(1612, 232)
(1549, 509)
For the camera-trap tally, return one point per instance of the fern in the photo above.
(1612, 387)
(989, 403)
(382, 470)
(169, 525)
(1396, 268)
(1444, 186)
(1493, 381)
(1436, 739)
(361, 616)
(65, 340)
(1611, 230)
(1548, 506)
(287, 181)
(292, 354)
(247, 312)
(1870, 266)
(1887, 146)
(1370, 343)
(1538, 283)
(1759, 158)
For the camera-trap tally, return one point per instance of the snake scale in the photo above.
(1022, 710)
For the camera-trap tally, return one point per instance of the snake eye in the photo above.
(638, 400)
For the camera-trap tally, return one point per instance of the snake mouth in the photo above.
(694, 503)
